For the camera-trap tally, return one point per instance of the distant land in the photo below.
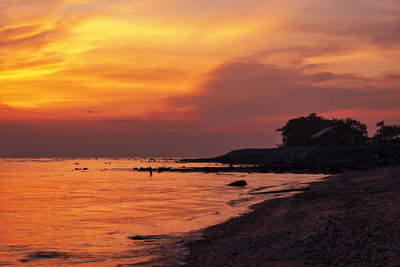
(307, 159)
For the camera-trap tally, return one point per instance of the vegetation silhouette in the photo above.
(342, 132)
(387, 131)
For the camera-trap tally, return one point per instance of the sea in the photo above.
(100, 212)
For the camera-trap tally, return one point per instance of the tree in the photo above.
(297, 132)
(387, 131)
(352, 131)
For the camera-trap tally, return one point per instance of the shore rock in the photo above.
(238, 183)
(312, 159)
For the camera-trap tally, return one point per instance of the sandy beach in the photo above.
(348, 219)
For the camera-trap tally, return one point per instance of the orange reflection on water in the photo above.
(87, 216)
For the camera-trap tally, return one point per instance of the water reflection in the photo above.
(54, 211)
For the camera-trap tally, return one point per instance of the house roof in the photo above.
(391, 137)
(322, 132)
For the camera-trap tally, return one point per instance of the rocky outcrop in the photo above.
(238, 183)
(313, 159)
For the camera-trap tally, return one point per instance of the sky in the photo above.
(186, 77)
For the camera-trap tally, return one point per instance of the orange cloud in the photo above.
(228, 64)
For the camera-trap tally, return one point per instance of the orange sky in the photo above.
(229, 66)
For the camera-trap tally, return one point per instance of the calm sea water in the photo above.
(52, 214)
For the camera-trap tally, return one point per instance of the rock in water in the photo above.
(238, 183)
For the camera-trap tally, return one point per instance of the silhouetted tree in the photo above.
(297, 132)
(387, 130)
(352, 132)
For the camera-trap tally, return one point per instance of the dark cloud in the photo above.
(349, 23)
(385, 33)
(380, 33)
(242, 90)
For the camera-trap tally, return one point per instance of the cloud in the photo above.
(4, 107)
(349, 23)
(28, 36)
(390, 79)
(384, 34)
(69, 59)
(27, 11)
(92, 111)
(120, 121)
(245, 90)
(127, 74)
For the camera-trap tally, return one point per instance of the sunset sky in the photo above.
(186, 77)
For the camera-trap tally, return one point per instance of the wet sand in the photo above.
(349, 219)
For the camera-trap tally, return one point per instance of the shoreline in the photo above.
(232, 169)
(350, 218)
(300, 159)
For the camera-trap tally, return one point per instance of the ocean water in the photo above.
(52, 212)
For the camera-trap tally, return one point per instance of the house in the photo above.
(325, 132)
(333, 136)
(392, 138)
(328, 136)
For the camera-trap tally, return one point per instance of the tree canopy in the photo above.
(298, 131)
(387, 131)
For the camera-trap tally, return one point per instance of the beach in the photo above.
(351, 219)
